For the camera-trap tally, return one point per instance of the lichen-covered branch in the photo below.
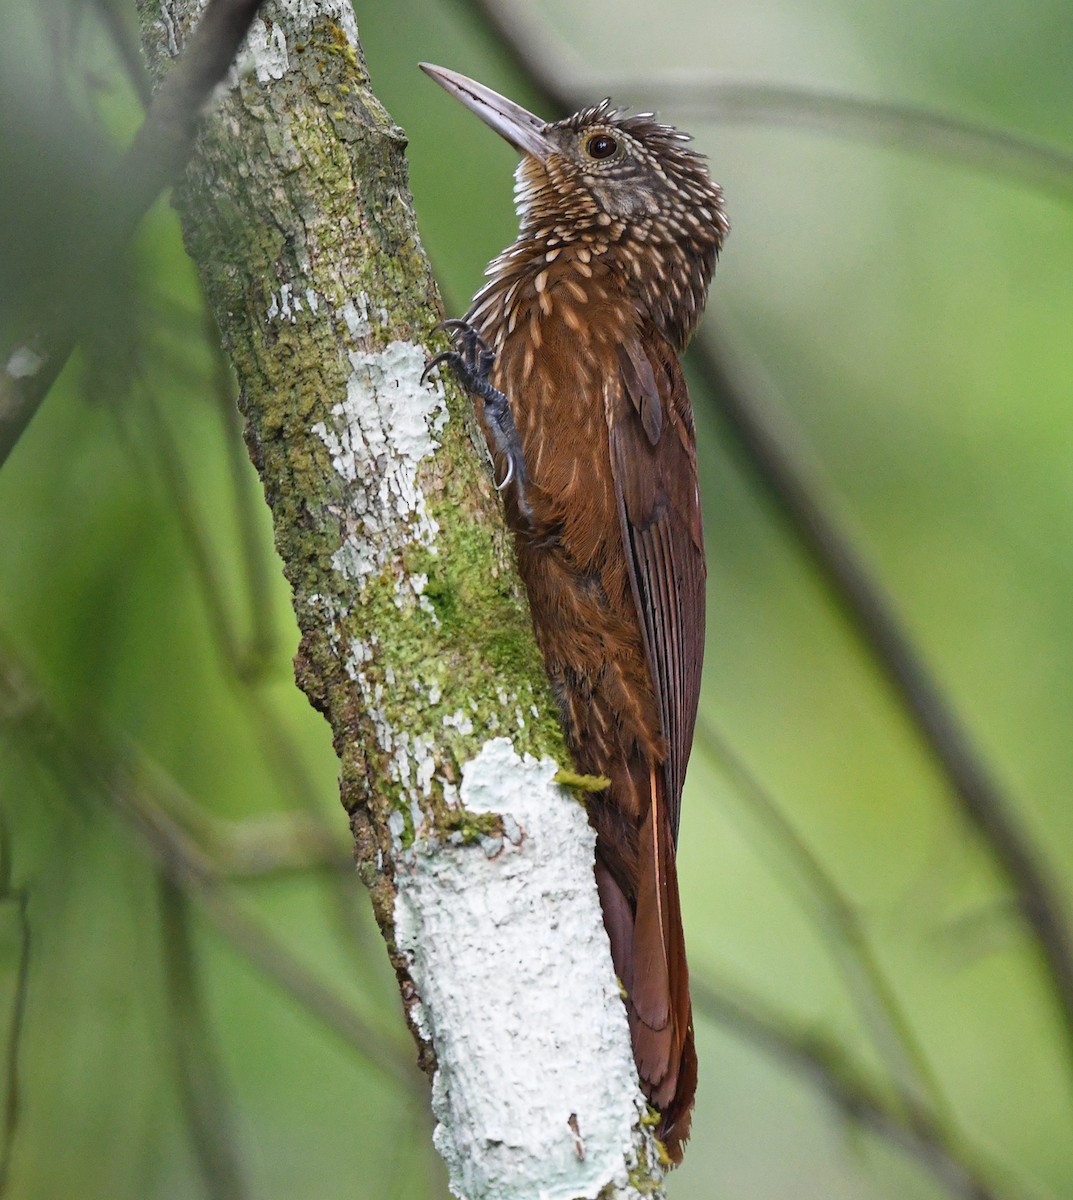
(416, 641)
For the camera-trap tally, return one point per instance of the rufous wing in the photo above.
(653, 459)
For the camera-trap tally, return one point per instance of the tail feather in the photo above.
(651, 992)
(648, 950)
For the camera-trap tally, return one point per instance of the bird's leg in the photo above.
(471, 361)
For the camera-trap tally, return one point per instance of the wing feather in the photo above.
(653, 459)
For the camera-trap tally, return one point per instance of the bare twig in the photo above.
(915, 1131)
(910, 127)
(201, 1086)
(113, 16)
(260, 564)
(207, 569)
(272, 847)
(19, 899)
(266, 952)
(778, 464)
(157, 153)
(254, 848)
(358, 937)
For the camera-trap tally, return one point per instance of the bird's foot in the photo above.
(471, 361)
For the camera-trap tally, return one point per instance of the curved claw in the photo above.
(449, 323)
(433, 363)
(509, 475)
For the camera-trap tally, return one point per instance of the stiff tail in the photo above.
(648, 949)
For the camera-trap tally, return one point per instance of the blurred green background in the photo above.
(910, 316)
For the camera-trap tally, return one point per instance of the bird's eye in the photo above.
(601, 146)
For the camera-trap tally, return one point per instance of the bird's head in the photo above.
(606, 178)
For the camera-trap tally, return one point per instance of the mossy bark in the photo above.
(296, 210)
(416, 639)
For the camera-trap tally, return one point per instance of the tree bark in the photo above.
(416, 642)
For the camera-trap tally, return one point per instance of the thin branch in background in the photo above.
(260, 564)
(205, 1103)
(915, 1131)
(290, 843)
(157, 153)
(247, 658)
(268, 954)
(207, 570)
(119, 775)
(348, 901)
(253, 848)
(189, 869)
(777, 462)
(122, 785)
(836, 918)
(19, 899)
(113, 16)
(276, 847)
(997, 152)
(991, 928)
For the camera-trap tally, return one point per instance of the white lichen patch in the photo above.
(305, 13)
(286, 306)
(378, 437)
(356, 315)
(360, 652)
(411, 588)
(24, 363)
(509, 956)
(458, 720)
(265, 51)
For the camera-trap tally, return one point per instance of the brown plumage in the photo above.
(572, 348)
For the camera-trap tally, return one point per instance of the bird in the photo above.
(571, 353)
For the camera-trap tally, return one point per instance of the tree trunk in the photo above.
(416, 641)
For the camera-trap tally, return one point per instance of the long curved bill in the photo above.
(525, 132)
